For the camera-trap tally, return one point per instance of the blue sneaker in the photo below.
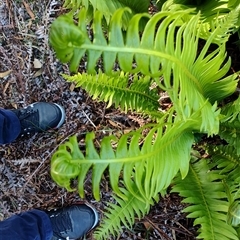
(73, 222)
(40, 117)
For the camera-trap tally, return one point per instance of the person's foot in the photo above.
(72, 222)
(40, 117)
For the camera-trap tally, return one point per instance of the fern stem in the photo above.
(142, 51)
(179, 130)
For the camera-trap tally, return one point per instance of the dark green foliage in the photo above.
(212, 186)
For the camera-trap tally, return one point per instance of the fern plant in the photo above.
(212, 184)
(107, 8)
(205, 192)
(211, 11)
(166, 53)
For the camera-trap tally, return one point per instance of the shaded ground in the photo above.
(24, 164)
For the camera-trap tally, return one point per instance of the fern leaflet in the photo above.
(146, 166)
(205, 192)
(115, 90)
(226, 159)
(123, 212)
(107, 8)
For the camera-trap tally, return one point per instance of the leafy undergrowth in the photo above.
(30, 73)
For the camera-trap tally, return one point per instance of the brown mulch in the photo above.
(29, 72)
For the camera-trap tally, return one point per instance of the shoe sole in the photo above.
(95, 214)
(63, 116)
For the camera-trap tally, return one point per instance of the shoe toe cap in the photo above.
(51, 115)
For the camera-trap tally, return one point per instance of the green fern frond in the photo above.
(227, 160)
(213, 14)
(230, 131)
(204, 191)
(75, 4)
(146, 165)
(124, 212)
(107, 8)
(210, 10)
(142, 171)
(116, 90)
(233, 217)
(231, 111)
(223, 22)
(171, 52)
(230, 124)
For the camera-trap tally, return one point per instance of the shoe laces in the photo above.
(28, 119)
(61, 223)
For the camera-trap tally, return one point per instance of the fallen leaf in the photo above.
(6, 87)
(147, 225)
(72, 87)
(14, 105)
(29, 11)
(37, 64)
(4, 74)
(38, 73)
(113, 123)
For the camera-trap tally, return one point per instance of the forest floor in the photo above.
(29, 72)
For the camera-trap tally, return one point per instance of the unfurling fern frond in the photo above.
(115, 90)
(170, 51)
(143, 171)
(146, 166)
(204, 191)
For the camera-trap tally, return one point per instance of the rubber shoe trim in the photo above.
(63, 116)
(95, 214)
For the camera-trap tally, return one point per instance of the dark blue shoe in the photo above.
(72, 222)
(40, 117)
